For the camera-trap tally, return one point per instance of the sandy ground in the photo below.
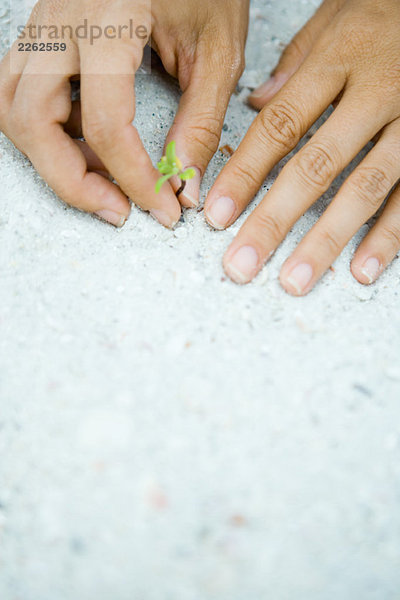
(165, 434)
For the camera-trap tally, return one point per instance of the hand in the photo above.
(200, 43)
(349, 51)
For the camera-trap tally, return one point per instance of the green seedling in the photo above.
(169, 166)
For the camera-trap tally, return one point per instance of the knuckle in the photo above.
(358, 37)
(29, 122)
(315, 165)
(391, 233)
(331, 242)
(371, 185)
(280, 124)
(205, 132)
(355, 34)
(297, 48)
(3, 113)
(353, 39)
(390, 84)
(230, 56)
(239, 67)
(270, 226)
(237, 60)
(242, 66)
(246, 176)
(97, 130)
(21, 127)
(3, 100)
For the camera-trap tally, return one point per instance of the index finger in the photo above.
(108, 109)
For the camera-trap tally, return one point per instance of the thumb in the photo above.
(296, 53)
(198, 123)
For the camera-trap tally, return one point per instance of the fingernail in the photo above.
(371, 269)
(162, 217)
(242, 267)
(111, 217)
(191, 193)
(300, 277)
(220, 212)
(270, 87)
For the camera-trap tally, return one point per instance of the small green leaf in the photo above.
(161, 182)
(188, 174)
(170, 153)
(164, 168)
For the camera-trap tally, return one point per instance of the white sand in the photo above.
(165, 434)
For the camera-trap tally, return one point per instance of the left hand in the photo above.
(349, 50)
(200, 43)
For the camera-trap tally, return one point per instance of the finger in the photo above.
(13, 64)
(381, 245)
(357, 201)
(200, 117)
(54, 154)
(295, 53)
(11, 68)
(108, 108)
(302, 181)
(74, 124)
(92, 160)
(5, 95)
(274, 133)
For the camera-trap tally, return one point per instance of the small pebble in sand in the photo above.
(237, 520)
(180, 233)
(226, 150)
(156, 498)
(262, 277)
(364, 293)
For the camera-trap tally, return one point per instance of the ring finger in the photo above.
(381, 245)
